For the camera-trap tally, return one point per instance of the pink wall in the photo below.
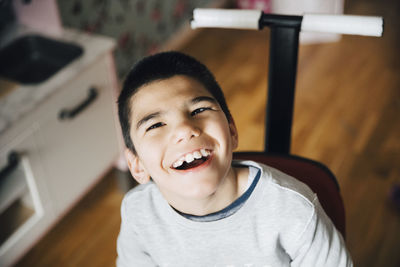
(41, 15)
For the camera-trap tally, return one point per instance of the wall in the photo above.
(139, 26)
(39, 14)
(7, 15)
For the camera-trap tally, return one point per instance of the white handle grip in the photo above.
(225, 18)
(250, 19)
(343, 24)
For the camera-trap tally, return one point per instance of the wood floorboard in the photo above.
(347, 116)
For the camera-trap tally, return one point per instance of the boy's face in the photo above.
(182, 137)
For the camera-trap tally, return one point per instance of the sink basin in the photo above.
(33, 59)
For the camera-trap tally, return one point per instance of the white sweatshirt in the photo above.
(280, 224)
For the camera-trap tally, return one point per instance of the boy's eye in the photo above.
(199, 110)
(154, 126)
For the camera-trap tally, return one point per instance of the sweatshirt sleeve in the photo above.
(129, 248)
(320, 244)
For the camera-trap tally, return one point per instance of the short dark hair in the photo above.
(159, 67)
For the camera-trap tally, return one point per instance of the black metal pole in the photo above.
(284, 43)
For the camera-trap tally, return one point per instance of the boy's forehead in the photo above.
(162, 96)
(167, 91)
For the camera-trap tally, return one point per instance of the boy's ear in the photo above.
(136, 168)
(234, 133)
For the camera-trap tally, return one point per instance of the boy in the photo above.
(195, 207)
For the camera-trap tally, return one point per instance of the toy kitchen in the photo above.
(57, 120)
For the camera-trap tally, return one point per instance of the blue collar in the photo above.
(229, 210)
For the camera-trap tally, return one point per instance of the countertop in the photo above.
(16, 100)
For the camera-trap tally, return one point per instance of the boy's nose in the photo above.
(185, 131)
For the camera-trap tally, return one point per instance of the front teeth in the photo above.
(177, 163)
(190, 157)
(197, 155)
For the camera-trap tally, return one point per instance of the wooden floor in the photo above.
(347, 116)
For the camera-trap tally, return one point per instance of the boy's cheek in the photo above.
(149, 154)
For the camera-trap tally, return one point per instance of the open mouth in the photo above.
(192, 160)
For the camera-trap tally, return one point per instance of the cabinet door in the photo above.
(25, 209)
(78, 130)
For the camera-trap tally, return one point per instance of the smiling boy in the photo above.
(195, 206)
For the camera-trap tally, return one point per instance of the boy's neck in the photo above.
(231, 188)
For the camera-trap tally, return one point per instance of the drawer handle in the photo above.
(71, 113)
(13, 160)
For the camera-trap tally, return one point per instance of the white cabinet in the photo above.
(67, 144)
(26, 209)
(79, 136)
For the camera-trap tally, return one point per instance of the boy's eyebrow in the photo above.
(203, 98)
(147, 118)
